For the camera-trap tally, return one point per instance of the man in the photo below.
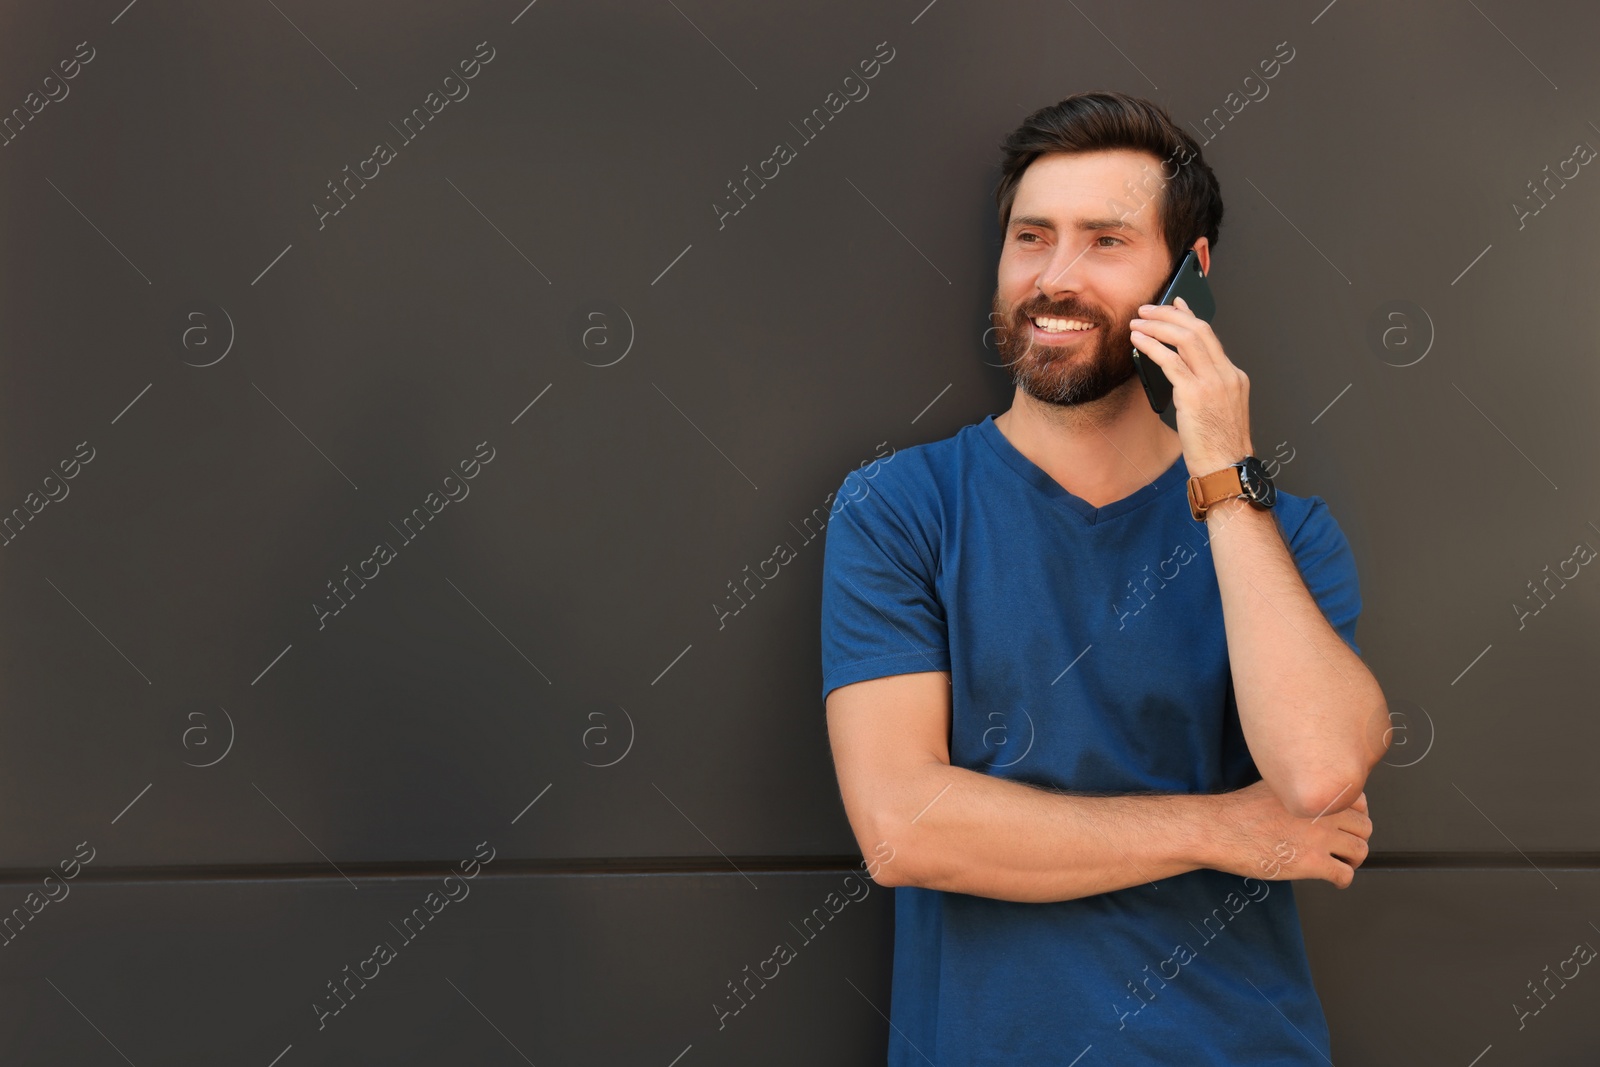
(1088, 735)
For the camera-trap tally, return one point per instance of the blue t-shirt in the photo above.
(1087, 652)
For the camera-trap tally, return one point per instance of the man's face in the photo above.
(1084, 244)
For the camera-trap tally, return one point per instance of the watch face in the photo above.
(1257, 485)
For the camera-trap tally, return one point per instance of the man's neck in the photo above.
(1100, 452)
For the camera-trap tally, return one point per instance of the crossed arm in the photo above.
(962, 831)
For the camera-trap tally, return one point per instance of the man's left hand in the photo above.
(1210, 394)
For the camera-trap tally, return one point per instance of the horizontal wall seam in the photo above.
(701, 866)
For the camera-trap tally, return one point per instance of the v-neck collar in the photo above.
(1035, 475)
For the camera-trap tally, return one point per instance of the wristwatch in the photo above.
(1247, 479)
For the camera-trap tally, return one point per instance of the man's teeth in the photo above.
(1062, 325)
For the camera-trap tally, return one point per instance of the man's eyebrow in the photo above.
(1084, 225)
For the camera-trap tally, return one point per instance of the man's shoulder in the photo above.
(912, 479)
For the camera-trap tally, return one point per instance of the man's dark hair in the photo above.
(1189, 200)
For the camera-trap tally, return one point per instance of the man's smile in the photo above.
(1056, 331)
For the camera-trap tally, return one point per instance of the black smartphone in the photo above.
(1189, 282)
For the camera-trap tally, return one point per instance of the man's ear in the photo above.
(1202, 249)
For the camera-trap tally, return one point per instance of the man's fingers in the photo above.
(1352, 850)
(1342, 874)
(1355, 822)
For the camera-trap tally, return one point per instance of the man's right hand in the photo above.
(1257, 837)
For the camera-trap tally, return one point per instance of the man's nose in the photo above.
(1063, 273)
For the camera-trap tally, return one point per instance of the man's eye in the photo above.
(1109, 238)
(1025, 236)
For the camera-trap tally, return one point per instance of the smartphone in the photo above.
(1189, 282)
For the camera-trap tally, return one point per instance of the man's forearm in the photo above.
(1312, 714)
(966, 832)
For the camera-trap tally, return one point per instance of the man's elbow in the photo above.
(891, 861)
(1327, 793)
(1313, 799)
(888, 875)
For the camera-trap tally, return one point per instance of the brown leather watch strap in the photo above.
(1208, 489)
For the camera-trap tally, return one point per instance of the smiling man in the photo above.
(1089, 807)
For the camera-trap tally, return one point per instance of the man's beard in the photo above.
(1079, 372)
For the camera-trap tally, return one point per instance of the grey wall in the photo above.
(249, 790)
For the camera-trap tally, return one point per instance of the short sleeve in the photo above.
(881, 613)
(1328, 568)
